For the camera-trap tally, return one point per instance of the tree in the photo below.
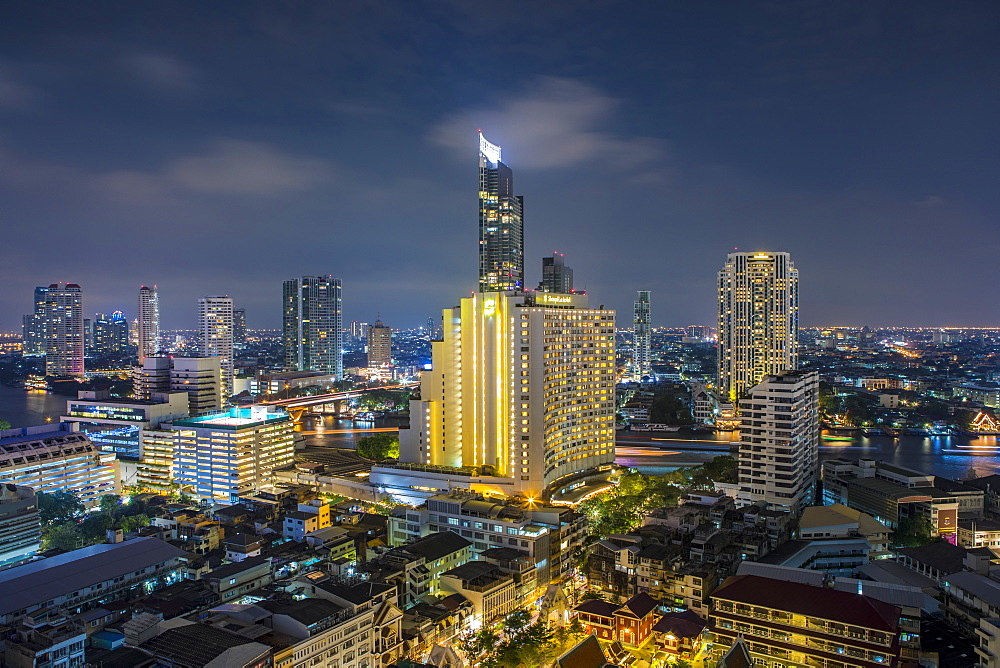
(59, 507)
(61, 537)
(378, 447)
(134, 522)
(621, 508)
(110, 503)
(4, 424)
(517, 642)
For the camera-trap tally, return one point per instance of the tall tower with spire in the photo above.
(501, 224)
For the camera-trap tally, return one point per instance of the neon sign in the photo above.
(489, 151)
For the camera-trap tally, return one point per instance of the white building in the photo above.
(779, 441)
(522, 391)
(148, 322)
(55, 458)
(758, 320)
(114, 424)
(224, 455)
(199, 377)
(215, 331)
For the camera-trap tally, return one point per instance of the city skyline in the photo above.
(855, 138)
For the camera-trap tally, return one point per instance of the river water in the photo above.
(948, 456)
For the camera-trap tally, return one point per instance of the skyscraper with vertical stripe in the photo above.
(312, 325)
(149, 322)
(501, 224)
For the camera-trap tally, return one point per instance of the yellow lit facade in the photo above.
(522, 387)
(758, 320)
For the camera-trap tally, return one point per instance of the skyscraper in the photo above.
(779, 441)
(215, 331)
(240, 327)
(758, 320)
(556, 276)
(109, 334)
(641, 335)
(379, 344)
(522, 388)
(33, 328)
(501, 224)
(149, 322)
(63, 327)
(312, 325)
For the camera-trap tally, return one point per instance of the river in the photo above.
(948, 456)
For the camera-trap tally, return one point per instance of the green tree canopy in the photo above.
(59, 507)
(4, 424)
(379, 446)
(514, 643)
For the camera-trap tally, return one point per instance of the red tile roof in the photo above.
(638, 606)
(596, 607)
(685, 624)
(803, 599)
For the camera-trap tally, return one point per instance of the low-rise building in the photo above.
(47, 638)
(630, 623)
(492, 593)
(799, 624)
(88, 577)
(233, 581)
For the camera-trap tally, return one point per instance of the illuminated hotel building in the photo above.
(779, 442)
(641, 335)
(215, 330)
(758, 320)
(501, 224)
(149, 322)
(312, 325)
(223, 455)
(63, 327)
(522, 389)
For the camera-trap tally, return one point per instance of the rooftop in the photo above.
(945, 557)
(235, 418)
(39, 581)
(803, 599)
(980, 586)
(436, 545)
(198, 645)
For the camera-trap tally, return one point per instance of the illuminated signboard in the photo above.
(545, 298)
(490, 151)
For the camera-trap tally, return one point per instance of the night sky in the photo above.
(222, 147)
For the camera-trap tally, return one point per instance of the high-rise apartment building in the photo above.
(149, 322)
(779, 441)
(215, 331)
(224, 455)
(33, 326)
(312, 325)
(642, 335)
(379, 344)
(522, 388)
(758, 319)
(359, 330)
(109, 334)
(63, 327)
(199, 377)
(501, 224)
(556, 276)
(240, 327)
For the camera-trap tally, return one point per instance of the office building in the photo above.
(224, 455)
(501, 224)
(758, 320)
(199, 377)
(556, 276)
(215, 332)
(63, 328)
(522, 390)
(114, 424)
(641, 335)
(795, 624)
(312, 325)
(20, 530)
(56, 458)
(33, 326)
(779, 441)
(240, 327)
(359, 330)
(379, 344)
(148, 322)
